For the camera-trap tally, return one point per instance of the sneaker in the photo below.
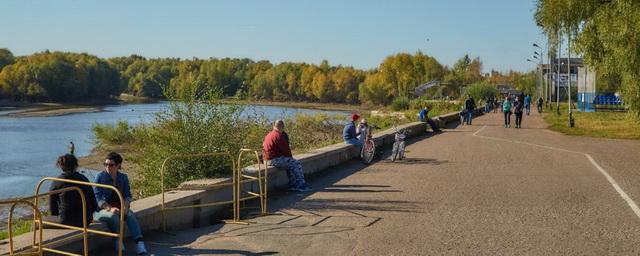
(300, 189)
(140, 249)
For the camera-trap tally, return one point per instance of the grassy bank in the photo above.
(19, 227)
(613, 125)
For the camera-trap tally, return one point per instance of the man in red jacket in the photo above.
(275, 149)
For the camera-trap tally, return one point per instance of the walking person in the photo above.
(518, 107)
(109, 203)
(527, 103)
(539, 104)
(470, 106)
(276, 149)
(506, 110)
(496, 104)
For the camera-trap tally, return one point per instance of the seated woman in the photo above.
(66, 207)
(109, 203)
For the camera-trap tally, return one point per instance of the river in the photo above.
(29, 146)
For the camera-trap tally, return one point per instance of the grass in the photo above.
(613, 125)
(20, 227)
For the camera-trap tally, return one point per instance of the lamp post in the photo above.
(546, 80)
(536, 55)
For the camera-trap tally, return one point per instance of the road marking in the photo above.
(615, 185)
(624, 195)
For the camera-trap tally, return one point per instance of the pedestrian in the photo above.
(276, 149)
(470, 106)
(488, 104)
(66, 207)
(506, 109)
(72, 148)
(496, 104)
(110, 205)
(518, 107)
(539, 104)
(527, 103)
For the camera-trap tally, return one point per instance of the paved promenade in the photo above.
(474, 190)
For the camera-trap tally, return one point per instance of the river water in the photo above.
(29, 146)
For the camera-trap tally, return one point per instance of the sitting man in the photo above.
(350, 134)
(424, 117)
(275, 149)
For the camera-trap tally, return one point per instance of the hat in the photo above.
(354, 116)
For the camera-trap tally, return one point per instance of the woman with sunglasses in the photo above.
(109, 202)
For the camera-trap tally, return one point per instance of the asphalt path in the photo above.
(471, 190)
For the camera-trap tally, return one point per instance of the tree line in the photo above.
(63, 77)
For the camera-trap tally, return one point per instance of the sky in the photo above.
(344, 32)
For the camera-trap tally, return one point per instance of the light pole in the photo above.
(538, 56)
(542, 80)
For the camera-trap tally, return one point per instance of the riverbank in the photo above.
(49, 109)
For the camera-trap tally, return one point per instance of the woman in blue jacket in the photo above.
(109, 202)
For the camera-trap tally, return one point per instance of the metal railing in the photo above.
(243, 178)
(38, 215)
(238, 178)
(165, 208)
(84, 229)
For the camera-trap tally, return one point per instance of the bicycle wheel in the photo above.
(369, 149)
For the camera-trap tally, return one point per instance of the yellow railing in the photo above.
(38, 215)
(84, 229)
(242, 178)
(238, 178)
(192, 156)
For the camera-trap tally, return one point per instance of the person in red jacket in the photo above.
(275, 149)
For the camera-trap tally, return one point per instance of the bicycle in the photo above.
(398, 146)
(368, 150)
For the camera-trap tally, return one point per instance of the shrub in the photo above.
(196, 124)
(400, 103)
(112, 134)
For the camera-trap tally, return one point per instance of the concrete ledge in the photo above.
(148, 210)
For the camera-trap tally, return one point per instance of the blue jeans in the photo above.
(468, 116)
(356, 142)
(113, 222)
(293, 168)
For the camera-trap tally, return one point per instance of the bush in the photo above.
(112, 134)
(400, 103)
(481, 90)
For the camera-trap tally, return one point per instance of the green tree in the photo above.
(606, 33)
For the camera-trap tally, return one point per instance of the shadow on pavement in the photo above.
(414, 160)
(189, 251)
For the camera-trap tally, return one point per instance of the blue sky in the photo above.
(351, 33)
